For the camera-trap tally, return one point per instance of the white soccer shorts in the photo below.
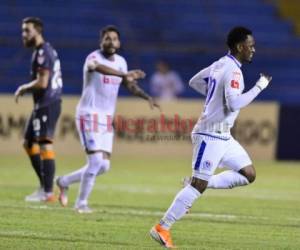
(94, 135)
(211, 152)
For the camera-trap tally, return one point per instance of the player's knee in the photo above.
(105, 167)
(31, 148)
(97, 165)
(199, 184)
(251, 176)
(28, 144)
(47, 151)
(249, 172)
(46, 145)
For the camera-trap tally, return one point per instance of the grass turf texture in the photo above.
(133, 196)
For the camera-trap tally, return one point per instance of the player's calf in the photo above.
(33, 151)
(48, 161)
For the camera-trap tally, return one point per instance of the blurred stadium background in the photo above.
(189, 35)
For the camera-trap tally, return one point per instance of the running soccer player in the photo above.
(46, 88)
(103, 73)
(213, 146)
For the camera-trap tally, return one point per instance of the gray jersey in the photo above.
(46, 58)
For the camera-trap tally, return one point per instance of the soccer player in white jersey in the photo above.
(213, 146)
(103, 73)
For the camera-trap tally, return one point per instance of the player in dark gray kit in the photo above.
(46, 89)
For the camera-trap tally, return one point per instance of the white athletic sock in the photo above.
(86, 186)
(227, 179)
(75, 176)
(96, 165)
(180, 206)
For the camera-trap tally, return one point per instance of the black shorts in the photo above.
(42, 122)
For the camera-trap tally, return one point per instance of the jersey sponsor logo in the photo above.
(111, 80)
(235, 84)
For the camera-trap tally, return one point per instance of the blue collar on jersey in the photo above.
(235, 60)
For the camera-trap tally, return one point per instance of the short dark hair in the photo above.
(237, 35)
(37, 23)
(109, 28)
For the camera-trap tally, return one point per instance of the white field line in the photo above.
(125, 211)
(262, 194)
(138, 212)
(22, 233)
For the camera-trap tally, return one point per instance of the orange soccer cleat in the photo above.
(50, 198)
(162, 236)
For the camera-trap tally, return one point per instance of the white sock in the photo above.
(96, 166)
(75, 176)
(227, 179)
(86, 186)
(180, 206)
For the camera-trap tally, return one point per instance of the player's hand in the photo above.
(263, 81)
(136, 74)
(19, 92)
(153, 104)
(91, 65)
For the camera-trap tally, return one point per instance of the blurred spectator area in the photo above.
(190, 34)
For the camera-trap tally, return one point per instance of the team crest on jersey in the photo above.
(91, 142)
(235, 80)
(235, 84)
(41, 52)
(207, 165)
(44, 118)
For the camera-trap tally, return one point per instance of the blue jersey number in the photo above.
(211, 89)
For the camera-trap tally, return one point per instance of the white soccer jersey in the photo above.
(99, 94)
(213, 146)
(220, 80)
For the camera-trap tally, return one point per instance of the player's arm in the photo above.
(136, 90)
(236, 102)
(41, 82)
(131, 75)
(93, 65)
(199, 81)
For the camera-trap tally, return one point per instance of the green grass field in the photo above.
(134, 195)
